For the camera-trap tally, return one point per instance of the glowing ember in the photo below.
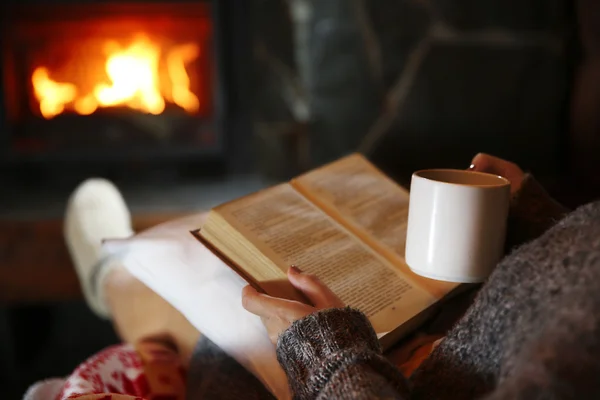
(132, 79)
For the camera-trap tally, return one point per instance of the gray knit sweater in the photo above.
(532, 332)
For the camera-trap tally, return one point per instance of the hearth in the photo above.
(111, 80)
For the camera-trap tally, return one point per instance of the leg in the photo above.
(97, 211)
(140, 314)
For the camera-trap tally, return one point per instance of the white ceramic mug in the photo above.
(456, 224)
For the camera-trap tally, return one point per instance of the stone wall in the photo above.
(411, 83)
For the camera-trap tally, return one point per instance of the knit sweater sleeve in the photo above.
(333, 354)
(532, 212)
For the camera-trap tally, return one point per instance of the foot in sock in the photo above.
(96, 211)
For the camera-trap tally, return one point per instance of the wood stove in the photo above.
(110, 80)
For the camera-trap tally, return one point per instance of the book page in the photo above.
(364, 196)
(290, 230)
(367, 202)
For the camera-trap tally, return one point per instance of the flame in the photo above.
(181, 82)
(133, 74)
(53, 96)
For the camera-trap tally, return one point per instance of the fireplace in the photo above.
(110, 80)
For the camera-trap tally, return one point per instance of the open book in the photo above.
(345, 223)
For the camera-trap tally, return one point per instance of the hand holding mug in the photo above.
(493, 165)
(457, 219)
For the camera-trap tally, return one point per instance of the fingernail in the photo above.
(295, 269)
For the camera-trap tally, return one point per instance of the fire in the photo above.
(52, 95)
(133, 79)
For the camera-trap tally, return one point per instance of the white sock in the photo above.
(96, 211)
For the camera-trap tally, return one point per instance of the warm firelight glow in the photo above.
(133, 79)
(52, 95)
(180, 82)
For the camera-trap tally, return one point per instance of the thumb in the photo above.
(316, 291)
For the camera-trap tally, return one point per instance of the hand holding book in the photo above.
(345, 223)
(278, 314)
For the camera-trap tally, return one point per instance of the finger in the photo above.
(252, 301)
(315, 290)
(494, 165)
(267, 306)
(487, 163)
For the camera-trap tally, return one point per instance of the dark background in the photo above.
(410, 83)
